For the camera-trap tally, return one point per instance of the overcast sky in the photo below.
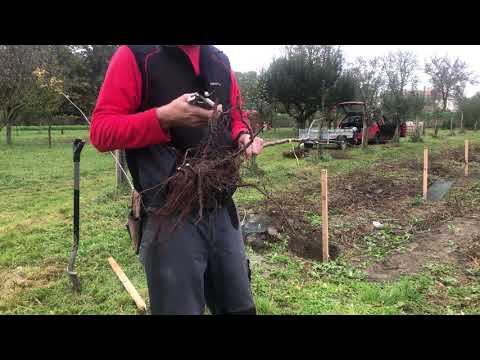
(254, 57)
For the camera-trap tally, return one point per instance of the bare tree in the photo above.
(449, 77)
(17, 63)
(400, 70)
(370, 81)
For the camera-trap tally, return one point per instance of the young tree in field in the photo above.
(449, 77)
(416, 103)
(17, 63)
(471, 110)
(85, 67)
(303, 77)
(345, 89)
(370, 80)
(436, 115)
(46, 99)
(399, 69)
(248, 84)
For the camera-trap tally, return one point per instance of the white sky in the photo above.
(253, 57)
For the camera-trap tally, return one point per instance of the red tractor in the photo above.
(378, 131)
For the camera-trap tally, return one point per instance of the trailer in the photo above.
(339, 137)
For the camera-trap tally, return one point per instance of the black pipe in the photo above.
(77, 149)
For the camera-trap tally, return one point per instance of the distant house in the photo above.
(429, 100)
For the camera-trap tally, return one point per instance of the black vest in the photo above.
(167, 73)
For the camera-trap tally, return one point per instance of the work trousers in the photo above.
(196, 265)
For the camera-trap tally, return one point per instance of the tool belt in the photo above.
(134, 221)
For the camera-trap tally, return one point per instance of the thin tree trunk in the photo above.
(9, 134)
(396, 134)
(417, 128)
(476, 121)
(436, 127)
(49, 136)
(462, 130)
(451, 125)
(424, 127)
(364, 132)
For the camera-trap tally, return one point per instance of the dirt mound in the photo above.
(452, 243)
(366, 189)
(458, 154)
(387, 192)
(340, 155)
(296, 153)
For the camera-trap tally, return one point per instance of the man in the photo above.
(143, 108)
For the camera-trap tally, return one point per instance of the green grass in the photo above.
(36, 235)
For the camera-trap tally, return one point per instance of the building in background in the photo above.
(430, 100)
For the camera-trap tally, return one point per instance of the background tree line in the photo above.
(32, 78)
(304, 83)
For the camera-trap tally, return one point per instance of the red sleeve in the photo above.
(116, 124)
(235, 98)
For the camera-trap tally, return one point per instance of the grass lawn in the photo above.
(36, 189)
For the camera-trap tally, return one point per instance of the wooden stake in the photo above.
(425, 173)
(466, 157)
(128, 285)
(324, 180)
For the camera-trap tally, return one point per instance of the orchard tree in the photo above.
(248, 84)
(370, 79)
(449, 78)
(17, 63)
(471, 111)
(399, 69)
(302, 78)
(86, 67)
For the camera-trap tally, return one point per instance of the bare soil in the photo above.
(455, 243)
(391, 194)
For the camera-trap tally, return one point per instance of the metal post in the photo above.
(77, 149)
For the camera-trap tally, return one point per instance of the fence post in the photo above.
(425, 172)
(324, 179)
(466, 157)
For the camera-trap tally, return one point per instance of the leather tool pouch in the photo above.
(134, 221)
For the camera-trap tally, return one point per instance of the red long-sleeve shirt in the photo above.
(116, 124)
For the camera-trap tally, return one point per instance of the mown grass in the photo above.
(36, 188)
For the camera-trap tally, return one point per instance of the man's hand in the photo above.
(254, 149)
(180, 113)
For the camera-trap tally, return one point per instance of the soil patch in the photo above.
(454, 243)
(386, 192)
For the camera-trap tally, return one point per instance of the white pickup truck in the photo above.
(340, 137)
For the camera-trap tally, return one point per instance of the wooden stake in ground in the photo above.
(128, 285)
(324, 179)
(425, 173)
(466, 157)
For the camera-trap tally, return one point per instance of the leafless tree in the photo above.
(370, 80)
(449, 77)
(400, 70)
(17, 63)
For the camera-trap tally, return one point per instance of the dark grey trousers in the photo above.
(196, 266)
